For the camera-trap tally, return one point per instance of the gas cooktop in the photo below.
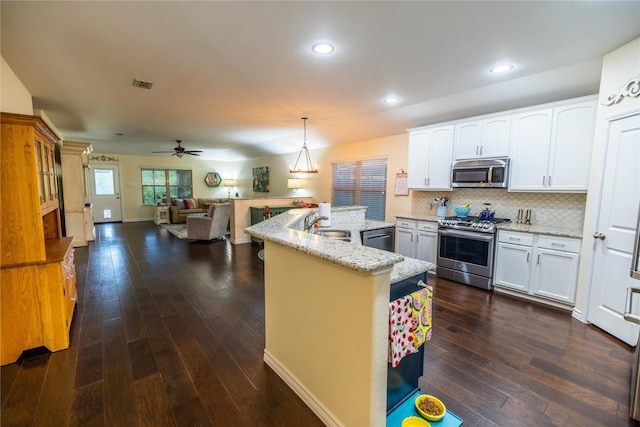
(471, 223)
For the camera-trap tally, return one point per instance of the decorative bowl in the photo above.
(462, 212)
(430, 407)
(414, 422)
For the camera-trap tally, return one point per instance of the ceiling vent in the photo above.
(142, 84)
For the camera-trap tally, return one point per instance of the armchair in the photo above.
(212, 226)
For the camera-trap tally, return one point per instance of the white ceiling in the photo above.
(234, 78)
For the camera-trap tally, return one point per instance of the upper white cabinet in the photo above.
(551, 148)
(430, 158)
(487, 138)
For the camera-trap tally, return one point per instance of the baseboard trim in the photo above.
(577, 314)
(239, 241)
(307, 397)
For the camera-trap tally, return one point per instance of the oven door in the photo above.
(466, 251)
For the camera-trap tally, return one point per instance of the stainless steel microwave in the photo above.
(487, 173)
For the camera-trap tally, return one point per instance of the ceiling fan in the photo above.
(180, 151)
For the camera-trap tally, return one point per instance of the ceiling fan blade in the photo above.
(193, 151)
(162, 151)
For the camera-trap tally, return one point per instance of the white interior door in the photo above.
(105, 194)
(613, 240)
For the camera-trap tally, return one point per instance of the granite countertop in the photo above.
(430, 218)
(511, 226)
(286, 229)
(542, 229)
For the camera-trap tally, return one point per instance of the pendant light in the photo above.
(304, 152)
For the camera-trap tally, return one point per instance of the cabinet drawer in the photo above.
(516, 238)
(406, 223)
(428, 226)
(559, 243)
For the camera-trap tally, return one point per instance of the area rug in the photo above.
(178, 230)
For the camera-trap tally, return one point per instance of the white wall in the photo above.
(618, 67)
(14, 97)
(131, 181)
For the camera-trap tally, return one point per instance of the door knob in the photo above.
(600, 236)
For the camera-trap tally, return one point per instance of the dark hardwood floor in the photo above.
(171, 332)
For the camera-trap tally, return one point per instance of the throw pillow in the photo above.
(180, 204)
(189, 204)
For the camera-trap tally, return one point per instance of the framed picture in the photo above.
(261, 179)
(212, 179)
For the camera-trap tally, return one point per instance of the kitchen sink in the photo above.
(335, 234)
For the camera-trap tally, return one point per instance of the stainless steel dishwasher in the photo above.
(380, 238)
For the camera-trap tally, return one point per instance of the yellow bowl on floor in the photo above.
(430, 407)
(414, 422)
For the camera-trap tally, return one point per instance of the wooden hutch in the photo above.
(37, 271)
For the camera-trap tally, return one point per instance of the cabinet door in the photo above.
(571, 142)
(530, 140)
(468, 137)
(427, 246)
(495, 137)
(513, 266)
(418, 158)
(404, 242)
(555, 274)
(439, 161)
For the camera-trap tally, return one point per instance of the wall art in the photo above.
(261, 179)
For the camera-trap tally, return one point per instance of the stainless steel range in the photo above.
(466, 248)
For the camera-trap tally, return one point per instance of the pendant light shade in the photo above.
(304, 166)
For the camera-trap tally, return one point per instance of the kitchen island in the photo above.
(327, 313)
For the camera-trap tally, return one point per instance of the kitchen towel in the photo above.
(421, 305)
(400, 336)
(324, 209)
(409, 323)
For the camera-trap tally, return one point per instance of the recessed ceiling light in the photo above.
(392, 100)
(501, 68)
(322, 48)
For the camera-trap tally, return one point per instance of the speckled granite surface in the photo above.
(535, 229)
(429, 218)
(286, 229)
(540, 229)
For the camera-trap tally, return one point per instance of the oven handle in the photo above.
(471, 235)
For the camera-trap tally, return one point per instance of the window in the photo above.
(158, 184)
(105, 183)
(363, 183)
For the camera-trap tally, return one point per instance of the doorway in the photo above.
(613, 238)
(105, 194)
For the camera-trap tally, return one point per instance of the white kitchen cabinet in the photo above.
(417, 239)
(404, 238)
(551, 148)
(487, 138)
(430, 154)
(538, 265)
(427, 241)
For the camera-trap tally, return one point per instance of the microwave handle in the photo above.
(490, 175)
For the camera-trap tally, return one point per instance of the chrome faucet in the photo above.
(308, 222)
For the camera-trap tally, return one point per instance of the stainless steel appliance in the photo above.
(381, 238)
(634, 403)
(466, 248)
(486, 173)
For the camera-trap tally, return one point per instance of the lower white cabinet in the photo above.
(417, 239)
(538, 265)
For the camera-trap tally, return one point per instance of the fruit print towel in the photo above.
(421, 304)
(409, 324)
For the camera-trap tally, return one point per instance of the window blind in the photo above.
(362, 182)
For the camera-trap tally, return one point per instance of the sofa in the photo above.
(178, 213)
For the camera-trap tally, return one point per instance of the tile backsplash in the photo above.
(552, 209)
